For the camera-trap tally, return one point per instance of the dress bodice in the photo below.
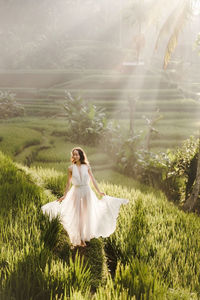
(80, 175)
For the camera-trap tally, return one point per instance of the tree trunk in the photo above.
(132, 107)
(148, 137)
(151, 122)
(192, 202)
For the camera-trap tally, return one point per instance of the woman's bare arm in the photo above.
(94, 182)
(67, 185)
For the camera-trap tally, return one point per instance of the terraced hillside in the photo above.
(153, 254)
(43, 94)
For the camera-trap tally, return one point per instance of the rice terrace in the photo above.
(121, 80)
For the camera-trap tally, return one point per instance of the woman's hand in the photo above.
(102, 194)
(60, 199)
(94, 182)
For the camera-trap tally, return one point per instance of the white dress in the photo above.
(81, 213)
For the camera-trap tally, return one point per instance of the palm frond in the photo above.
(180, 22)
(171, 21)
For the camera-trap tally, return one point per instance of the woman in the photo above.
(81, 213)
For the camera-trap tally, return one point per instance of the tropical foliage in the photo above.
(87, 123)
(174, 171)
(9, 108)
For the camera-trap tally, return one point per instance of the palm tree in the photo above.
(173, 25)
(176, 22)
(148, 13)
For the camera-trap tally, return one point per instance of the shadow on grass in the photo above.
(57, 240)
(27, 280)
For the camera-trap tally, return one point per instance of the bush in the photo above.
(173, 172)
(87, 123)
(185, 164)
(127, 156)
(9, 108)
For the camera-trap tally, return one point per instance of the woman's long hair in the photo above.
(83, 157)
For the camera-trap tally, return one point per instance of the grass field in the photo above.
(42, 93)
(153, 254)
(42, 141)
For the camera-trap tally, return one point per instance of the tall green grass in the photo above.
(154, 252)
(15, 138)
(36, 260)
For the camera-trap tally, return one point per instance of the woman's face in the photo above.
(76, 156)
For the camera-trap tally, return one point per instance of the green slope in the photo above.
(153, 254)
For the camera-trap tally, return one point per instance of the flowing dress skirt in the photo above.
(83, 215)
